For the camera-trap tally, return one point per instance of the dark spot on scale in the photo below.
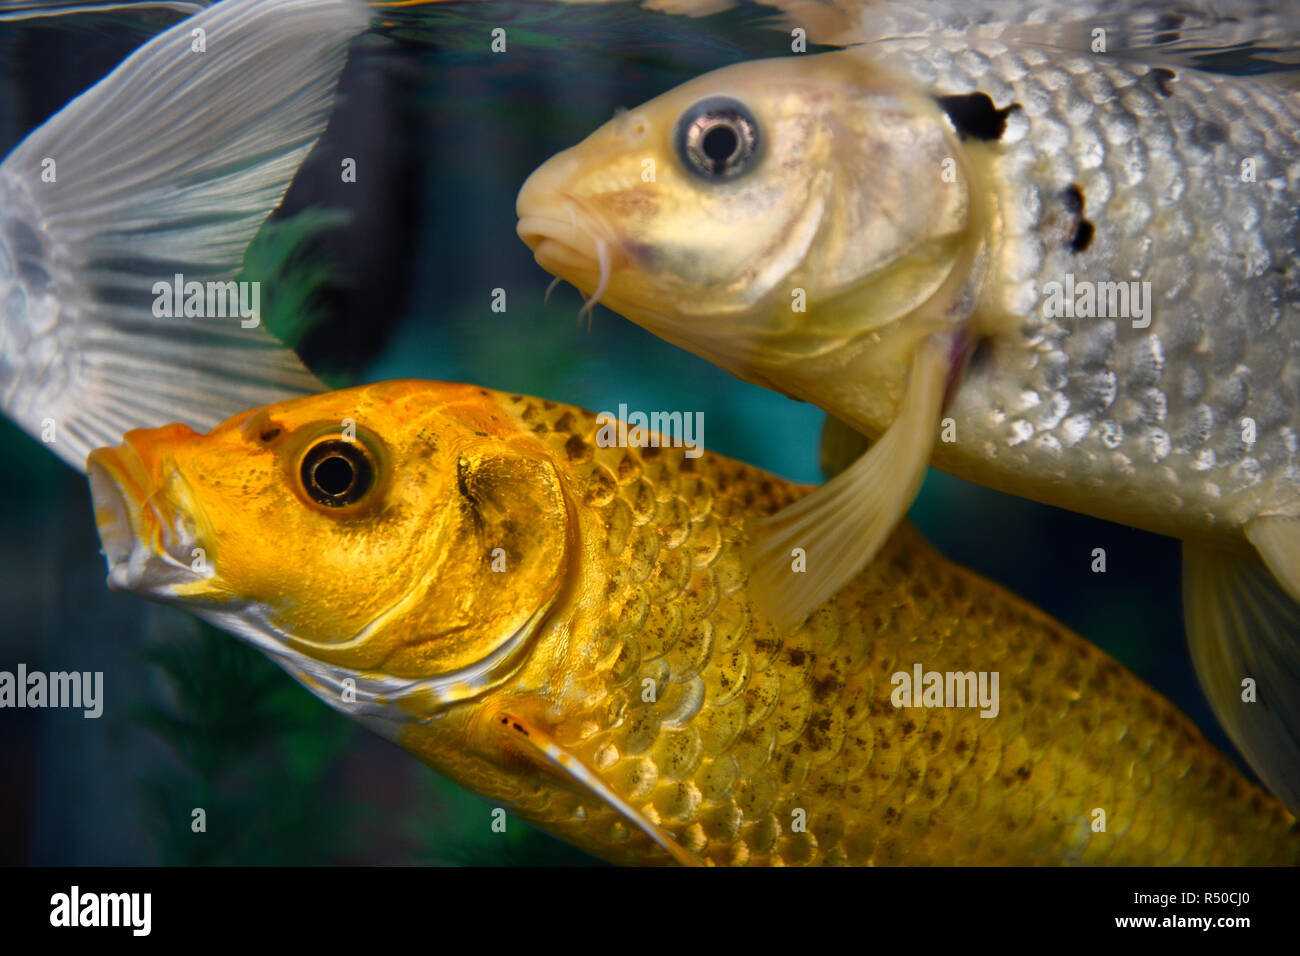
(1161, 77)
(1072, 198)
(1212, 133)
(975, 116)
(270, 434)
(828, 687)
(1082, 236)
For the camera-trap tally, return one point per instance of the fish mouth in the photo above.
(149, 544)
(562, 242)
(565, 238)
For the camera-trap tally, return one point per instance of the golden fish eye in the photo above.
(337, 473)
(717, 139)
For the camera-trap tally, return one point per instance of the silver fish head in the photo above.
(752, 215)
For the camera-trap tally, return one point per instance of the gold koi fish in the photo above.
(567, 628)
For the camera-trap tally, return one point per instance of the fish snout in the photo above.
(149, 544)
(564, 235)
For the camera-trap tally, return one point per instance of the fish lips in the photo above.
(562, 244)
(149, 544)
(565, 237)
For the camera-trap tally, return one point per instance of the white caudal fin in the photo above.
(1243, 628)
(36, 9)
(167, 167)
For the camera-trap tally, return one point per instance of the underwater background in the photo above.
(393, 276)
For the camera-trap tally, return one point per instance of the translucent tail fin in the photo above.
(165, 168)
(1244, 632)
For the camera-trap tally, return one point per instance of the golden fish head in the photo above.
(764, 211)
(409, 536)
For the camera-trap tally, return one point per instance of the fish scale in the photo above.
(35, 345)
(1096, 401)
(746, 726)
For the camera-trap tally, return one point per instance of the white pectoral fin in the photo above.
(1277, 538)
(166, 167)
(1243, 628)
(540, 746)
(808, 551)
(841, 446)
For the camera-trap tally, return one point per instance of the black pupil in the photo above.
(334, 476)
(336, 473)
(718, 139)
(720, 143)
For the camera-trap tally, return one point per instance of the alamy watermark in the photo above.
(653, 430)
(209, 300)
(129, 910)
(922, 688)
(1084, 299)
(75, 689)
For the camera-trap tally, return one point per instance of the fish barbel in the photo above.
(567, 628)
(157, 178)
(1063, 273)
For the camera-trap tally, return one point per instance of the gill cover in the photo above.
(493, 564)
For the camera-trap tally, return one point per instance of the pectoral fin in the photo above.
(841, 525)
(1242, 624)
(540, 746)
(842, 445)
(1277, 538)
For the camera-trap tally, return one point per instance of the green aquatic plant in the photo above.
(252, 750)
(285, 257)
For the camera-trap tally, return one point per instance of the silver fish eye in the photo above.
(717, 139)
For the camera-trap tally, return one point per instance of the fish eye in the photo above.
(717, 139)
(337, 473)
